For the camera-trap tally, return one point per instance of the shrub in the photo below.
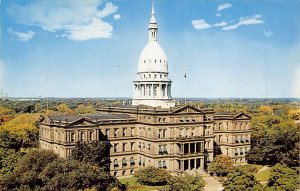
(152, 176)
(185, 182)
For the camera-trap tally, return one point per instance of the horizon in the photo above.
(232, 50)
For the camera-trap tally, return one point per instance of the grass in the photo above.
(133, 185)
(263, 176)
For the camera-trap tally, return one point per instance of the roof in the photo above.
(153, 59)
(91, 117)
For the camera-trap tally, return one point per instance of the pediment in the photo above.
(242, 116)
(187, 109)
(81, 122)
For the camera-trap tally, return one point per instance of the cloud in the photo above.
(245, 21)
(223, 23)
(200, 24)
(224, 6)
(218, 15)
(97, 29)
(74, 19)
(116, 17)
(22, 36)
(108, 9)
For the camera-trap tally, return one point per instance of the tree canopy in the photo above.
(152, 176)
(185, 182)
(283, 178)
(95, 152)
(241, 179)
(221, 165)
(43, 170)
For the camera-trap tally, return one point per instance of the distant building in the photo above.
(152, 131)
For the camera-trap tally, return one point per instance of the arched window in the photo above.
(164, 164)
(116, 163)
(242, 139)
(132, 161)
(124, 162)
(236, 139)
(159, 164)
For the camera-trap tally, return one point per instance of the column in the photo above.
(181, 165)
(195, 163)
(153, 86)
(195, 148)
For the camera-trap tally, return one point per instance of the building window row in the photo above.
(162, 164)
(162, 149)
(241, 151)
(124, 147)
(232, 126)
(81, 136)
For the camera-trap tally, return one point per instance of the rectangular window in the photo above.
(82, 136)
(132, 146)
(115, 132)
(91, 136)
(72, 137)
(115, 147)
(124, 147)
(107, 132)
(132, 131)
(124, 132)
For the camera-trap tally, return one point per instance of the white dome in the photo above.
(153, 59)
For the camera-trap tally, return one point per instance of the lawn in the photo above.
(133, 185)
(263, 176)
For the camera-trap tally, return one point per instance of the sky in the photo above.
(74, 48)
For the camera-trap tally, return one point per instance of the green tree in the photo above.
(96, 152)
(9, 159)
(283, 178)
(221, 165)
(152, 176)
(241, 179)
(43, 170)
(74, 175)
(185, 182)
(275, 142)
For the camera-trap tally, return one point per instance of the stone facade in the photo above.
(177, 139)
(160, 134)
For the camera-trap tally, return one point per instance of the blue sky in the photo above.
(73, 48)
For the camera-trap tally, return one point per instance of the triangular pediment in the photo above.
(81, 122)
(187, 109)
(242, 116)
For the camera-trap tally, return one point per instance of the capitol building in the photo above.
(153, 130)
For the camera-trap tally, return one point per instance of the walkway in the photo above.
(212, 184)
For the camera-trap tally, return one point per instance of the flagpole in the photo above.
(185, 71)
